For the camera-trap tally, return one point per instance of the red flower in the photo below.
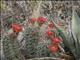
(51, 25)
(49, 33)
(56, 40)
(16, 27)
(41, 19)
(53, 48)
(33, 20)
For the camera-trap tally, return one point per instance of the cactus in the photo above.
(11, 49)
(31, 39)
(33, 43)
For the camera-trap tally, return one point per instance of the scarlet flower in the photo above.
(16, 27)
(53, 48)
(56, 40)
(49, 33)
(33, 20)
(51, 25)
(42, 19)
